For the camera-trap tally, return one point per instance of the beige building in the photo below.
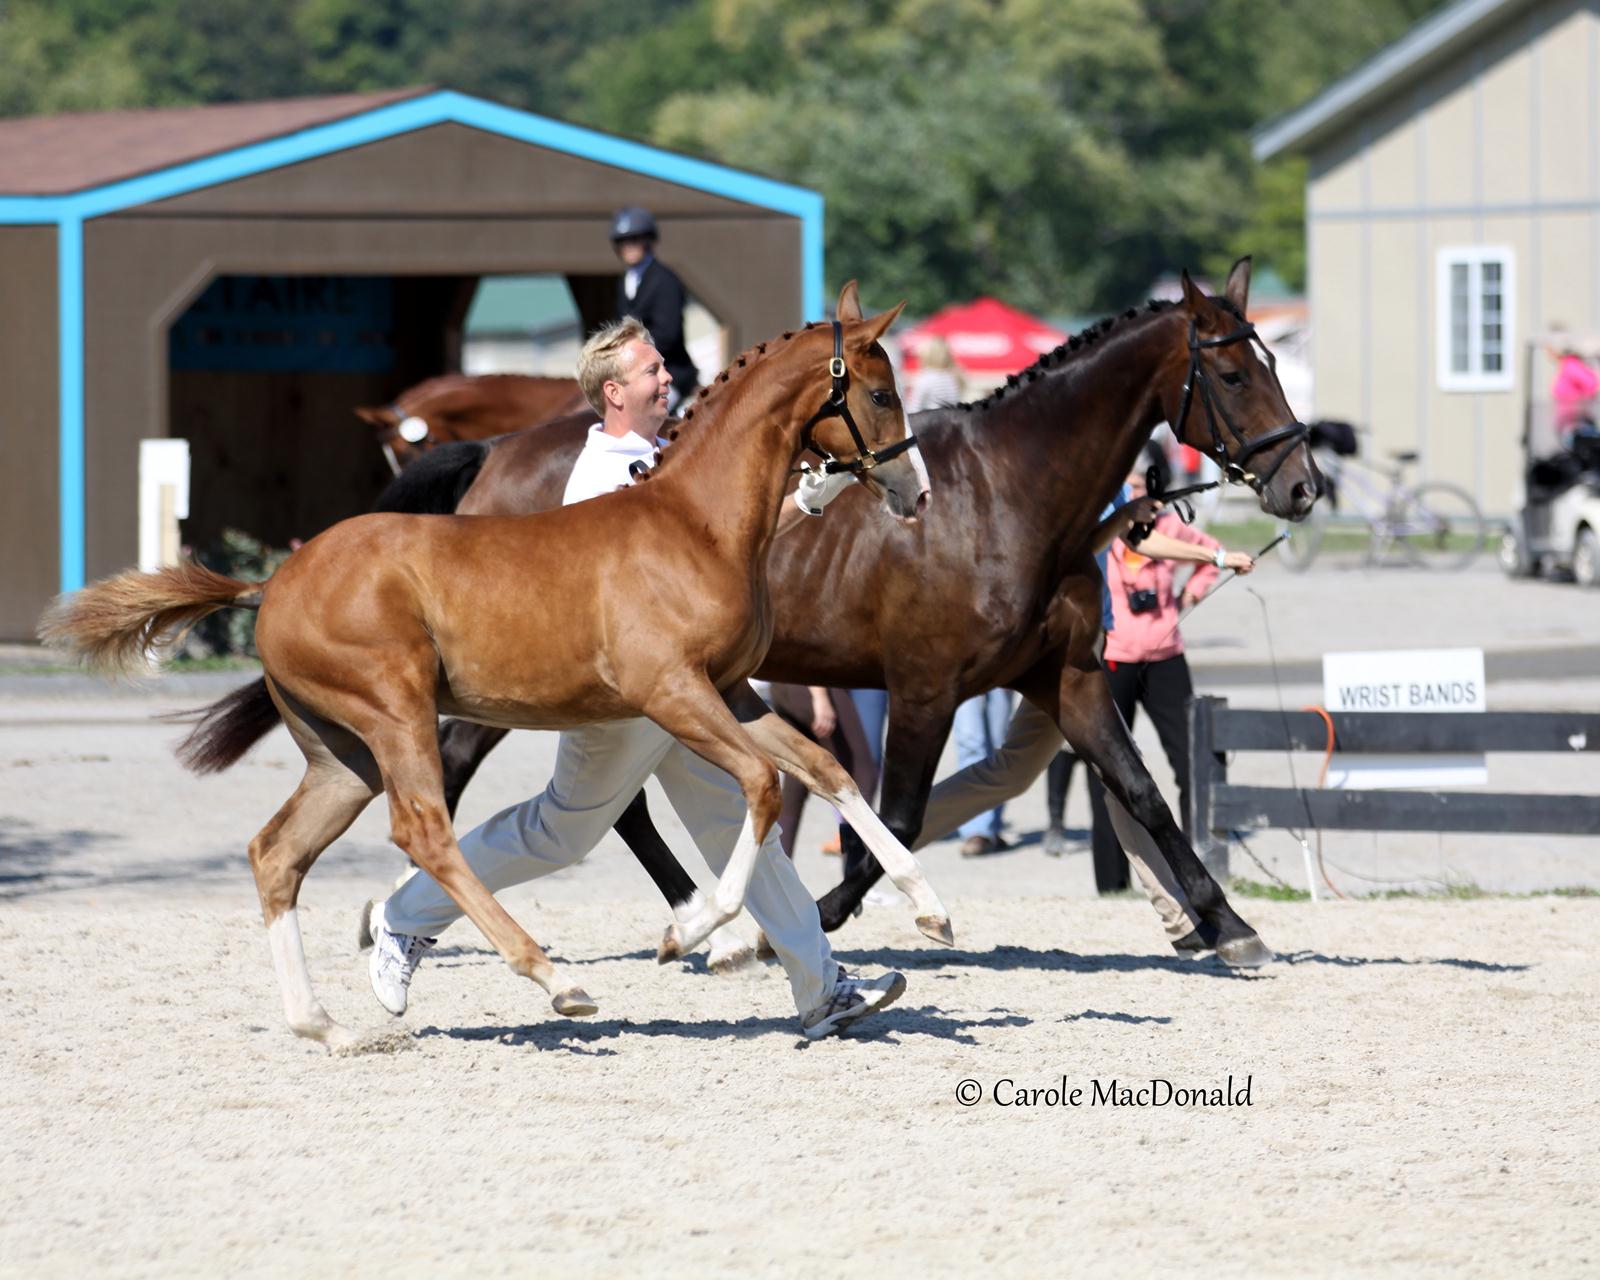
(1452, 217)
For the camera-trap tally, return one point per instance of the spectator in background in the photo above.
(935, 384)
(980, 730)
(651, 292)
(1144, 658)
(1573, 390)
(828, 717)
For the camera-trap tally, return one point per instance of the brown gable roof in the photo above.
(54, 155)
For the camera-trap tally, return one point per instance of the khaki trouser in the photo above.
(599, 768)
(1031, 742)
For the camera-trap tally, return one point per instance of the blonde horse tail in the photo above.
(118, 625)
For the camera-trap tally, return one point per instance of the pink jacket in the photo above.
(1153, 635)
(1575, 383)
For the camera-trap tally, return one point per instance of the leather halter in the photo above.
(837, 406)
(1294, 433)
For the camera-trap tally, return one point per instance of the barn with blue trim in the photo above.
(241, 276)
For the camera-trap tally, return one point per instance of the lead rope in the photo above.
(1288, 755)
(1272, 653)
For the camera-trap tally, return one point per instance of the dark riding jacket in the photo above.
(658, 304)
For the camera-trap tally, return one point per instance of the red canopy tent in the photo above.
(985, 337)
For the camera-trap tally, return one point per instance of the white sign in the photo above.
(163, 499)
(1405, 680)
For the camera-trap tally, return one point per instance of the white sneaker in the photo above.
(850, 999)
(394, 959)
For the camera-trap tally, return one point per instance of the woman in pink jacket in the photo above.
(1144, 653)
(1572, 392)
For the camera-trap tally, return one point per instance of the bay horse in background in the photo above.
(377, 626)
(463, 406)
(997, 588)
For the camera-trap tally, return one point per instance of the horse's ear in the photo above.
(1237, 289)
(876, 327)
(849, 303)
(1192, 296)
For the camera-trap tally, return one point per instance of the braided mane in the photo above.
(1067, 351)
(1080, 342)
(746, 359)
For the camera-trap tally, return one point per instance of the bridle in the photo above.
(838, 406)
(1293, 433)
(1233, 468)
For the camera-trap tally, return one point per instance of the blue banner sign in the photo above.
(288, 324)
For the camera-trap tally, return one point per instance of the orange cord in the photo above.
(1327, 755)
(1322, 781)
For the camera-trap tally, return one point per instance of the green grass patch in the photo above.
(1241, 888)
(1457, 891)
(1252, 535)
(184, 665)
(1460, 891)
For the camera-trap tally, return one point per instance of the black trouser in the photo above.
(1163, 689)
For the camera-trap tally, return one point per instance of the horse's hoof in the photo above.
(573, 1003)
(764, 949)
(340, 1039)
(938, 928)
(1248, 952)
(731, 960)
(671, 948)
(364, 928)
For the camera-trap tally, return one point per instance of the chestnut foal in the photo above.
(648, 601)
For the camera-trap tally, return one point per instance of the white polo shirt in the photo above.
(603, 465)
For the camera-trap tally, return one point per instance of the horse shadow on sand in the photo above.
(1292, 958)
(594, 1038)
(1004, 959)
(36, 860)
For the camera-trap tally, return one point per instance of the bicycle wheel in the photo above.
(1304, 541)
(1439, 525)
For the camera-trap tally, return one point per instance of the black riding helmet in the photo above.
(633, 221)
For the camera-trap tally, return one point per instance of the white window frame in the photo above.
(1473, 257)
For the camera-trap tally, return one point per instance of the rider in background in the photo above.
(651, 292)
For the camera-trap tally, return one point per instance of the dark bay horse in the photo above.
(380, 624)
(462, 406)
(996, 588)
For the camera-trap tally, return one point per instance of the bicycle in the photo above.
(1435, 523)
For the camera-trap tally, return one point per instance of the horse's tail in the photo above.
(228, 728)
(437, 481)
(119, 624)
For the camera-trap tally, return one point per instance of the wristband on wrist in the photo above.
(1220, 559)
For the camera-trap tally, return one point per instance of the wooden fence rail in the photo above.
(1218, 807)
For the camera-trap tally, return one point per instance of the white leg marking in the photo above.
(305, 1016)
(698, 921)
(898, 861)
(735, 881)
(690, 907)
(729, 951)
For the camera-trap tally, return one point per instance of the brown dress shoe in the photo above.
(977, 846)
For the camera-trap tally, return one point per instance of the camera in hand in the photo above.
(1143, 600)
